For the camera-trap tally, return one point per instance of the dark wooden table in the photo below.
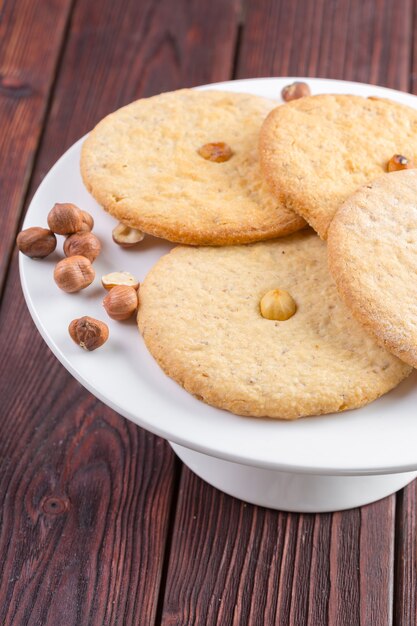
(99, 523)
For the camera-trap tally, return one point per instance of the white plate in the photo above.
(379, 438)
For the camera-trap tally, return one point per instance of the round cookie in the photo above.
(200, 318)
(142, 165)
(316, 151)
(372, 248)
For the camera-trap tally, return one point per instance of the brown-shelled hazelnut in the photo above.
(36, 242)
(88, 332)
(121, 302)
(65, 219)
(83, 243)
(295, 91)
(88, 221)
(74, 273)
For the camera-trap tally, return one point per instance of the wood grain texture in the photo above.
(413, 51)
(31, 33)
(368, 41)
(405, 613)
(233, 563)
(86, 496)
(361, 565)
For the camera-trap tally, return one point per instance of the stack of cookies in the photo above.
(247, 316)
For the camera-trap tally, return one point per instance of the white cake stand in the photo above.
(314, 464)
(291, 491)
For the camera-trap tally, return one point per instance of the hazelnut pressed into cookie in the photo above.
(317, 150)
(200, 316)
(184, 166)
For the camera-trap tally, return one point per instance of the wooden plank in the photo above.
(368, 41)
(84, 514)
(413, 55)
(405, 613)
(233, 563)
(31, 33)
(84, 494)
(362, 565)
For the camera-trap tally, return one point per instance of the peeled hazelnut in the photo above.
(88, 332)
(217, 152)
(119, 278)
(36, 242)
(88, 222)
(65, 219)
(295, 91)
(84, 244)
(74, 273)
(277, 305)
(121, 302)
(399, 162)
(127, 237)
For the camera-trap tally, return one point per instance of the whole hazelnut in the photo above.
(84, 244)
(125, 236)
(36, 242)
(88, 332)
(65, 219)
(295, 91)
(74, 273)
(88, 221)
(121, 302)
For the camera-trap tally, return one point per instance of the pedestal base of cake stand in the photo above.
(290, 491)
